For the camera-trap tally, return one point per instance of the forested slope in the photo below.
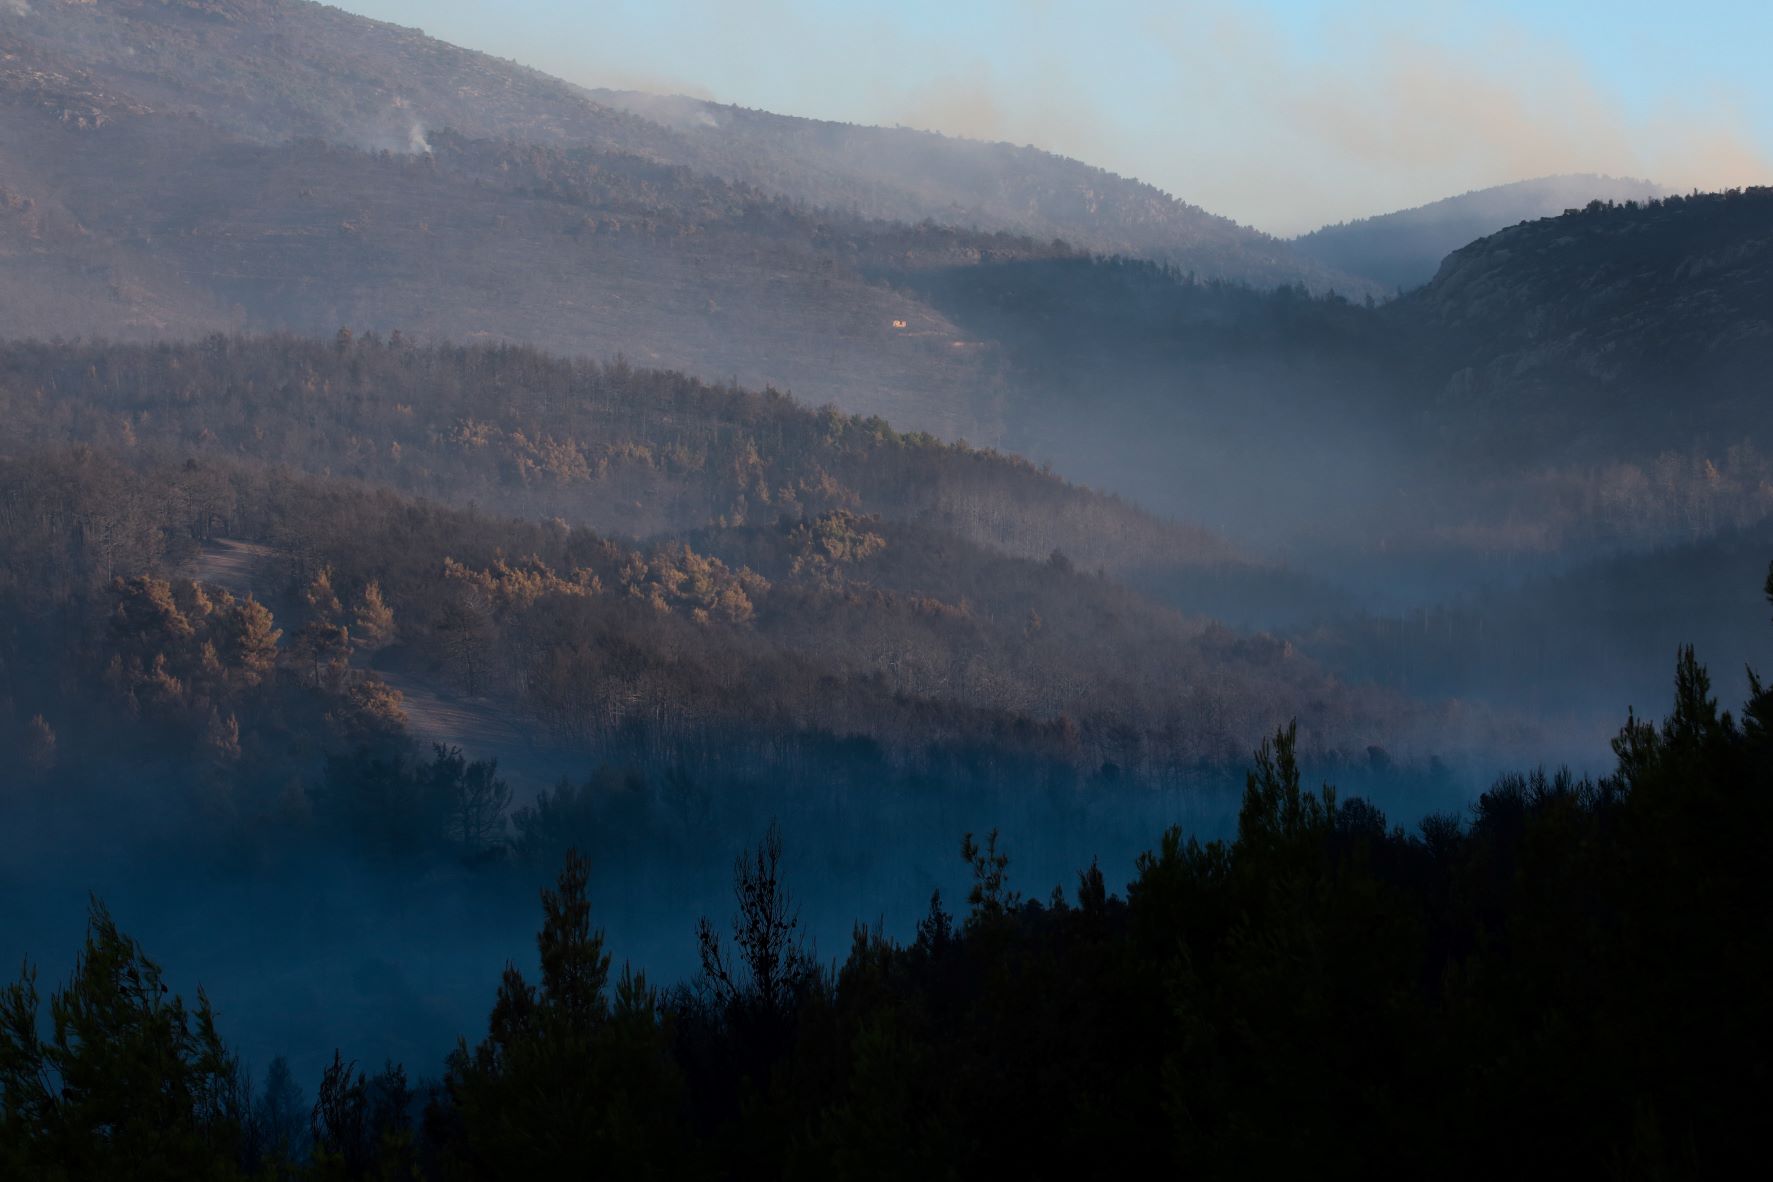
(1576, 382)
(1606, 327)
(1567, 978)
(727, 640)
(273, 70)
(155, 227)
(628, 450)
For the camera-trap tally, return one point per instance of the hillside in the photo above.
(175, 170)
(648, 461)
(142, 206)
(152, 226)
(1618, 327)
(274, 70)
(907, 175)
(1590, 380)
(1402, 250)
(716, 649)
(634, 452)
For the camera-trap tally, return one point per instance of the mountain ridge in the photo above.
(1568, 320)
(278, 69)
(1402, 249)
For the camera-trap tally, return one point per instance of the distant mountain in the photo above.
(907, 175)
(170, 170)
(1399, 251)
(153, 226)
(273, 70)
(1646, 324)
(174, 169)
(132, 208)
(1614, 329)
(1586, 379)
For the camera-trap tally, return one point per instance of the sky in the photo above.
(1283, 114)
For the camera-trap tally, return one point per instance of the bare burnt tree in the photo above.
(769, 965)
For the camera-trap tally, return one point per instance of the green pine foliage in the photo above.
(125, 1082)
(567, 1077)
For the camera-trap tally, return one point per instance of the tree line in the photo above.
(692, 650)
(620, 449)
(1564, 982)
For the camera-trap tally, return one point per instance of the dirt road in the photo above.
(436, 712)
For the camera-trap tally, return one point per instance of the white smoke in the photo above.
(15, 7)
(398, 130)
(672, 110)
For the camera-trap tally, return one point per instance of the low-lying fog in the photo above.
(305, 951)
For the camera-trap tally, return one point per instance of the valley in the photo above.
(1021, 671)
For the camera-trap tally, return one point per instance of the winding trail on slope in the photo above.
(435, 711)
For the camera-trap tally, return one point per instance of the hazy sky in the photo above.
(1280, 113)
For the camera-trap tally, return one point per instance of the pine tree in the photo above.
(251, 642)
(130, 1083)
(372, 620)
(563, 1084)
